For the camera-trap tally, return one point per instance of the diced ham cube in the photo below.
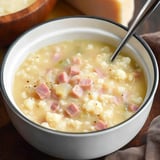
(100, 125)
(74, 80)
(99, 72)
(54, 106)
(133, 107)
(76, 60)
(43, 91)
(63, 77)
(72, 110)
(54, 95)
(137, 74)
(74, 70)
(77, 91)
(102, 90)
(56, 57)
(86, 83)
(116, 100)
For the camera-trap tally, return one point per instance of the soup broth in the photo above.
(72, 86)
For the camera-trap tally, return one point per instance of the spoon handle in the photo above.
(147, 9)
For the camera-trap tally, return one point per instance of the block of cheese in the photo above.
(120, 11)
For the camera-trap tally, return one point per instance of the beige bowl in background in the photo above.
(14, 24)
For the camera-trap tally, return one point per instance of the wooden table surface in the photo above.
(13, 146)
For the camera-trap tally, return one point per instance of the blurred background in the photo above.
(152, 23)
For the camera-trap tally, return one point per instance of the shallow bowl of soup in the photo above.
(66, 98)
(19, 15)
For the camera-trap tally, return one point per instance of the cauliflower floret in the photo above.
(43, 105)
(45, 124)
(108, 114)
(74, 125)
(93, 106)
(29, 103)
(53, 119)
(119, 74)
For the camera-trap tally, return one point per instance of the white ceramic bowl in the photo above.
(77, 145)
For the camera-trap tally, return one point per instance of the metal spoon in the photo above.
(147, 9)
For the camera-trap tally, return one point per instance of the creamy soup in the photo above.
(11, 6)
(72, 86)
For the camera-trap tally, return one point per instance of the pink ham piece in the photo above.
(54, 96)
(63, 77)
(117, 100)
(76, 60)
(137, 74)
(56, 57)
(43, 91)
(100, 125)
(86, 83)
(74, 70)
(55, 106)
(132, 108)
(74, 80)
(99, 72)
(72, 110)
(77, 91)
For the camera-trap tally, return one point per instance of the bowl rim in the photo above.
(20, 14)
(80, 134)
